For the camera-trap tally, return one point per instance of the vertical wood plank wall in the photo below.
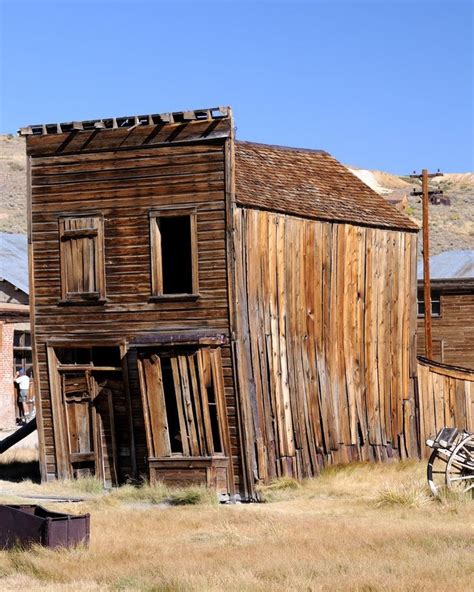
(325, 342)
(445, 398)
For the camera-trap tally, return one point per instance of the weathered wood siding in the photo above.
(453, 331)
(445, 399)
(325, 348)
(106, 173)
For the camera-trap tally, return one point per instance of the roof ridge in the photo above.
(284, 148)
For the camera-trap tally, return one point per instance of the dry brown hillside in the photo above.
(452, 227)
(12, 184)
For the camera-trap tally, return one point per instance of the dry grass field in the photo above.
(359, 528)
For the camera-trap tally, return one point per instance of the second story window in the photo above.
(82, 259)
(174, 257)
(435, 303)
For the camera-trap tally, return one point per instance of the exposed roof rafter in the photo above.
(128, 122)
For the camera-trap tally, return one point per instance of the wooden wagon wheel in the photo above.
(460, 467)
(436, 472)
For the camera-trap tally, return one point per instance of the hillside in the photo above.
(12, 184)
(452, 227)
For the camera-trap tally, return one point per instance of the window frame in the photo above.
(156, 262)
(98, 296)
(23, 351)
(437, 294)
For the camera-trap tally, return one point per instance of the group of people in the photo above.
(24, 402)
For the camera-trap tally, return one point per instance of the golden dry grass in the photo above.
(359, 528)
(19, 455)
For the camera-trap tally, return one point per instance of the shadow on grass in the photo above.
(18, 471)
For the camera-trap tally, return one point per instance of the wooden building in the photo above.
(452, 308)
(213, 311)
(15, 338)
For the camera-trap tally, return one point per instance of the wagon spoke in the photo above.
(460, 468)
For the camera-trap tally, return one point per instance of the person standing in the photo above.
(23, 382)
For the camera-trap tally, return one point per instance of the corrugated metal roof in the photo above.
(450, 265)
(14, 259)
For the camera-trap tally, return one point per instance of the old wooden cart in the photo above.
(451, 464)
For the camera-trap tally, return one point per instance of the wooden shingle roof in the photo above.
(309, 183)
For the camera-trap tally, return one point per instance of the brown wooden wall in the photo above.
(326, 330)
(453, 331)
(123, 185)
(446, 399)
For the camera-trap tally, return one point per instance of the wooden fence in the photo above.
(445, 398)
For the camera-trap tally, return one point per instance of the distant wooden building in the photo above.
(452, 308)
(213, 311)
(15, 338)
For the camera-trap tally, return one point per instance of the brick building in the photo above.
(15, 338)
(452, 308)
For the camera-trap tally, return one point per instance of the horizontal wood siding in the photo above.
(446, 399)
(122, 185)
(453, 331)
(325, 340)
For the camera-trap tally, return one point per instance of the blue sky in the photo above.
(379, 84)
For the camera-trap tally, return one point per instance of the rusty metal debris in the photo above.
(28, 524)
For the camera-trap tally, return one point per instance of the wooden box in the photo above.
(210, 472)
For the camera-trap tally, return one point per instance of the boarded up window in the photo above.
(82, 258)
(174, 263)
(184, 403)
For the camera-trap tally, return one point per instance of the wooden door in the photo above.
(90, 429)
(80, 424)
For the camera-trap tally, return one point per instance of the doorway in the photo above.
(185, 416)
(92, 420)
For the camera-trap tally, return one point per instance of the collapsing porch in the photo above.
(179, 407)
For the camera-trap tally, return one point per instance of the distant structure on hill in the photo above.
(452, 308)
(399, 199)
(15, 337)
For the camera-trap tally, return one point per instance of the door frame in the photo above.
(215, 361)
(58, 411)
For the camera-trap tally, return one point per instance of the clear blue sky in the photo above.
(379, 84)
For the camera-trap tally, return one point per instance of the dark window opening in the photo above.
(173, 250)
(106, 356)
(171, 406)
(95, 356)
(176, 255)
(22, 353)
(435, 303)
(76, 355)
(214, 417)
